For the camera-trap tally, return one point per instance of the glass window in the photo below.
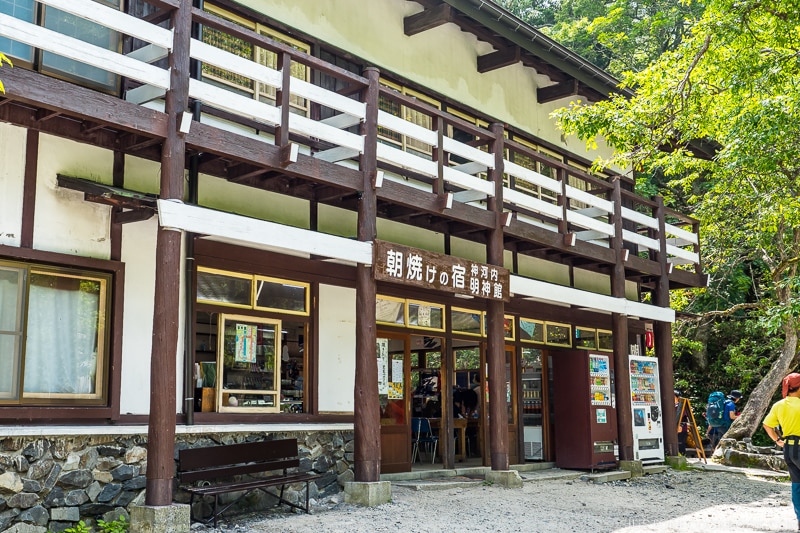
(84, 30)
(585, 338)
(390, 310)
(466, 322)
(558, 334)
(531, 330)
(23, 10)
(249, 356)
(425, 315)
(65, 332)
(605, 341)
(282, 295)
(508, 326)
(247, 50)
(224, 288)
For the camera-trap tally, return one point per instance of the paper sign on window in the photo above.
(245, 343)
(382, 349)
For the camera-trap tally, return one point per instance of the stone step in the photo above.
(654, 469)
(611, 475)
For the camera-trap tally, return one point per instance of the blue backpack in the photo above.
(715, 410)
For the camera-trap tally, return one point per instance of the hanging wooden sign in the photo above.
(420, 268)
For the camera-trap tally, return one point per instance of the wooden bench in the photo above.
(240, 467)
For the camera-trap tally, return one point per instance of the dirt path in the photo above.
(676, 501)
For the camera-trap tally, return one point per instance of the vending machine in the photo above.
(648, 430)
(584, 408)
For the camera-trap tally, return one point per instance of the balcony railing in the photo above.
(427, 157)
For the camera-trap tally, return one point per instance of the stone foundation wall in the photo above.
(50, 483)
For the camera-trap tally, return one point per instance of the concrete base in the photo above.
(175, 518)
(509, 479)
(634, 467)
(609, 475)
(678, 462)
(368, 494)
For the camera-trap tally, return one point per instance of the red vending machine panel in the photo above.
(585, 414)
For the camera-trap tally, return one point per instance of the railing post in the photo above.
(163, 367)
(439, 156)
(495, 310)
(367, 408)
(563, 201)
(283, 99)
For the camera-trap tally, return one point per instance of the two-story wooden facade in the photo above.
(221, 216)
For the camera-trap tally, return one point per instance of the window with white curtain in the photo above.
(53, 335)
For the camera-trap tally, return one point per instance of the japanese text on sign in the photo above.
(411, 266)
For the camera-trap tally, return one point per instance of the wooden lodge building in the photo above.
(215, 219)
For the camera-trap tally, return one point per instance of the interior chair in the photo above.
(422, 434)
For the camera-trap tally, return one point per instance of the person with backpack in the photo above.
(785, 414)
(720, 414)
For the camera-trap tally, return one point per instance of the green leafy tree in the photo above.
(733, 81)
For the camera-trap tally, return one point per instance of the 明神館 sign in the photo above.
(429, 270)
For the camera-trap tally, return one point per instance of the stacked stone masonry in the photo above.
(49, 484)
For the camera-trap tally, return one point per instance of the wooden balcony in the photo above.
(304, 140)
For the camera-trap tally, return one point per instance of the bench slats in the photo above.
(207, 474)
(248, 452)
(254, 484)
(213, 463)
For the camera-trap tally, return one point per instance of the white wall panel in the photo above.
(12, 177)
(337, 348)
(64, 222)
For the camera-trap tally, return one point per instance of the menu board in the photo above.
(599, 379)
(644, 382)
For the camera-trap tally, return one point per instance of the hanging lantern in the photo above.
(648, 336)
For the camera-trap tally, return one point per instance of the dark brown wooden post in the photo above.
(619, 330)
(662, 331)
(495, 310)
(29, 189)
(448, 383)
(367, 407)
(283, 99)
(161, 425)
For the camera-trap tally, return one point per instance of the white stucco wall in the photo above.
(12, 177)
(442, 59)
(64, 222)
(337, 348)
(139, 256)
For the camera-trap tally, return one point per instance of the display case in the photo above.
(532, 402)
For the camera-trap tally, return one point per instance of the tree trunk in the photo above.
(759, 402)
(700, 356)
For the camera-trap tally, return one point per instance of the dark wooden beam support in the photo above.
(499, 59)
(619, 329)
(40, 91)
(45, 114)
(495, 313)
(118, 181)
(559, 90)
(136, 215)
(366, 423)
(427, 19)
(29, 188)
(662, 333)
(168, 296)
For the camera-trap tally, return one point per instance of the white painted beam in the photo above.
(567, 295)
(177, 215)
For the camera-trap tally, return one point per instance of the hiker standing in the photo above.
(786, 414)
(718, 424)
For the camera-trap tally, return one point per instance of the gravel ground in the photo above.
(676, 501)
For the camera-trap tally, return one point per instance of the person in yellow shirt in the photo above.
(786, 415)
